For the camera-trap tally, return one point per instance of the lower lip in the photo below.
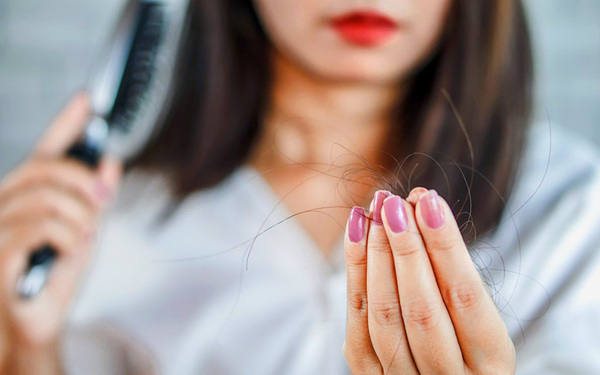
(364, 32)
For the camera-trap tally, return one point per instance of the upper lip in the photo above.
(365, 16)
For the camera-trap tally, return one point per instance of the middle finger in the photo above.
(429, 329)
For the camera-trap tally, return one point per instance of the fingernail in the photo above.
(431, 209)
(377, 203)
(356, 224)
(395, 214)
(102, 191)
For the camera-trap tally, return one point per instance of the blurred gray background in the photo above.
(47, 48)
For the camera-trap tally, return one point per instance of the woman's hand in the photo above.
(53, 200)
(416, 303)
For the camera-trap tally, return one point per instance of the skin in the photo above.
(416, 303)
(48, 199)
(331, 98)
(328, 98)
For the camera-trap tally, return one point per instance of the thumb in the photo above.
(66, 128)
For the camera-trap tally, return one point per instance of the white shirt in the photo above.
(180, 298)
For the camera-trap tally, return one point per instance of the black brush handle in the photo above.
(35, 277)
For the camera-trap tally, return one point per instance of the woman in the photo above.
(233, 256)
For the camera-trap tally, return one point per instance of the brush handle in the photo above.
(88, 150)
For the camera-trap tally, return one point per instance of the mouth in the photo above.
(364, 28)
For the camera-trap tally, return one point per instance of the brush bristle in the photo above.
(140, 66)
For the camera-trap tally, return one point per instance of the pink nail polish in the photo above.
(356, 224)
(377, 203)
(395, 214)
(432, 210)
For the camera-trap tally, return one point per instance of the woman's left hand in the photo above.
(416, 303)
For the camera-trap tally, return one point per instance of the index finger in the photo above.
(65, 129)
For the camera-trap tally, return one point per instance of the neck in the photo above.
(321, 122)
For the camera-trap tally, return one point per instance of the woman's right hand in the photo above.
(48, 200)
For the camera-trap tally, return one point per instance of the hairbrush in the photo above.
(129, 88)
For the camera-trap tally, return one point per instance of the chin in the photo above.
(348, 67)
(356, 77)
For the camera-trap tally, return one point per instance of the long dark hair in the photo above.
(460, 129)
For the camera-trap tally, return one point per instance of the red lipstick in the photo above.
(365, 28)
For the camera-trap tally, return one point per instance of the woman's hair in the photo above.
(459, 129)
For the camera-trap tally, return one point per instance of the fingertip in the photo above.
(65, 128)
(394, 214)
(377, 204)
(84, 100)
(78, 105)
(435, 217)
(356, 225)
(414, 195)
(431, 210)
